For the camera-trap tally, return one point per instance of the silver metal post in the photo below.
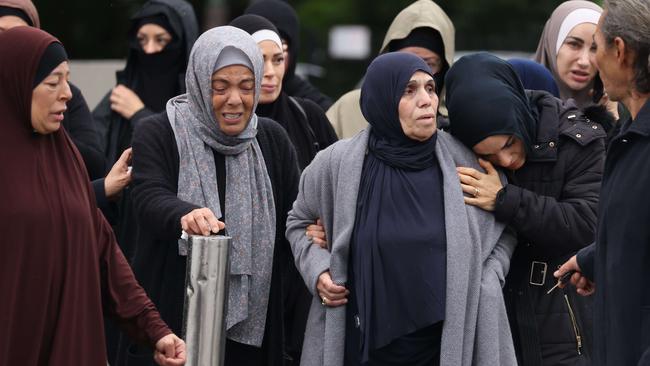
(206, 297)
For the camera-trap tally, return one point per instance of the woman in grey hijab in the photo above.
(209, 161)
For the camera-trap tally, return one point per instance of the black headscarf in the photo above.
(156, 74)
(398, 276)
(52, 57)
(485, 98)
(284, 17)
(282, 110)
(430, 39)
(381, 92)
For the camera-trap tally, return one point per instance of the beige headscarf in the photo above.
(25, 5)
(563, 19)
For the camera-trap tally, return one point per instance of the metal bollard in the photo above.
(206, 298)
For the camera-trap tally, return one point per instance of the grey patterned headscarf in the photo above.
(249, 196)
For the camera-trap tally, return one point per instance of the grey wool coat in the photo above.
(476, 330)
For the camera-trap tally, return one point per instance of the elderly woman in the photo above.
(206, 161)
(61, 267)
(418, 271)
(553, 157)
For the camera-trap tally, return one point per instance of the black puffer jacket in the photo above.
(551, 202)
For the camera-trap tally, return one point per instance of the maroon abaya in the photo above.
(60, 266)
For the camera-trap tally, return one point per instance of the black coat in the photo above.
(78, 122)
(158, 211)
(619, 262)
(551, 203)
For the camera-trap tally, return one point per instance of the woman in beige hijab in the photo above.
(565, 48)
(421, 28)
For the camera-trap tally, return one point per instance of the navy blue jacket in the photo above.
(619, 261)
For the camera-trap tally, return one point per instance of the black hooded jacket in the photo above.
(551, 203)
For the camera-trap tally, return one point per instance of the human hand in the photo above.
(170, 351)
(119, 176)
(483, 187)
(201, 221)
(125, 102)
(331, 294)
(316, 232)
(583, 285)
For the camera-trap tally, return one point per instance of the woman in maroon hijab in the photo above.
(60, 267)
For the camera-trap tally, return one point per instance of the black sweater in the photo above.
(158, 211)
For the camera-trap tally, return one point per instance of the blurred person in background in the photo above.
(553, 158)
(305, 122)
(77, 120)
(566, 49)
(421, 28)
(61, 268)
(209, 160)
(534, 76)
(160, 39)
(284, 17)
(615, 269)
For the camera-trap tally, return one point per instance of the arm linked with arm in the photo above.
(311, 260)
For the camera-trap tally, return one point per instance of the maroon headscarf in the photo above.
(60, 267)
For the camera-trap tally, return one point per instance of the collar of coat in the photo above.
(558, 120)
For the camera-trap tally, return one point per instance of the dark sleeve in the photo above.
(102, 116)
(79, 124)
(124, 299)
(320, 124)
(140, 115)
(155, 177)
(560, 225)
(100, 194)
(585, 259)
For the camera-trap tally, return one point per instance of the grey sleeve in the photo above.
(311, 260)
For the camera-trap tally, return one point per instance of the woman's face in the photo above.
(506, 151)
(418, 106)
(431, 58)
(273, 71)
(233, 96)
(574, 58)
(153, 38)
(49, 99)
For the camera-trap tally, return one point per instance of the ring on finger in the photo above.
(477, 192)
(323, 301)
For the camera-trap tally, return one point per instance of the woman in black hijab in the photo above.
(553, 156)
(305, 122)
(160, 39)
(417, 261)
(284, 17)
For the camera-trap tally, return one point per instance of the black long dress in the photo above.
(158, 210)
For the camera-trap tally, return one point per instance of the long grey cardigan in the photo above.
(476, 330)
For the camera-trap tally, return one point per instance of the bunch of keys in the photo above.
(562, 280)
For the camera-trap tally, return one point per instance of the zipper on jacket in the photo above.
(574, 323)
